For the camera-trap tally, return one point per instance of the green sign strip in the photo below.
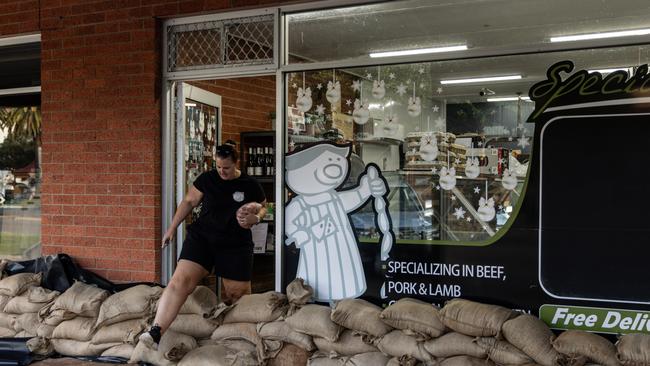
(600, 320)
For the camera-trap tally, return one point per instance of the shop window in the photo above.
(455, 153)
(357, 32)
(20, 182)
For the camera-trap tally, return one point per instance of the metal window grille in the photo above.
(232, 42)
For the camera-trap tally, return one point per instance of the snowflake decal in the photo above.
(348, 102)
(523, 142)
(459, 213)
(320, 109)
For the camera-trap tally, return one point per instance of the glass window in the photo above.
(20, 183)
(451, 141)
(356, 32)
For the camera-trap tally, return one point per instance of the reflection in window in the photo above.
(455, 160)
(20, 181)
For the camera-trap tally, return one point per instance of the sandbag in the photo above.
(255, 308)
(403, 361)
(290, 355)
(454, 344)
(16, 284)
(44, 330)
(194, 325)
(348, 344)
(80, 329)
(246, 332)
(3, 266)
(27, 322)
(126, 331)
(281, 331)
(465, 361)
(360, 315)
(634, 349)
(70, 347)
(415, 316)
(42, 295)
(122, 350)
(533, 337)
(213, 355)
(54, 317)
(7, 320)
(21, 304)
(502, 352)
(4, 299)
(137, 302)
(7, 332)
(363, 359)
(398, 344)
(176, 345)
(40, 346)
(172, 347)
(315, 320)
(80, 299)
(298, 294)
(575, 343)
(475, 319)
(201, 302)
(142, 353)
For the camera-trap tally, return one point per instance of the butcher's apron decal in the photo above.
(317, 221)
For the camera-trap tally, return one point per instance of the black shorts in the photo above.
(231, 260)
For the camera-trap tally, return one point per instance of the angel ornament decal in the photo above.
(447, 178)
(428, 148)
(317, 221)
(486, 210)
(304, 102)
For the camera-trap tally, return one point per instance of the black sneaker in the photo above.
(151, 338)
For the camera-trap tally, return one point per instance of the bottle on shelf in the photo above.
(259, 163)
(250, 168)
(271, 162)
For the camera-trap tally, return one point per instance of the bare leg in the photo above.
(184, 280)
(233, 290)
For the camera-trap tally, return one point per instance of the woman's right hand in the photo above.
(168, 237)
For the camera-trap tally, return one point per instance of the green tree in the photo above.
(21, 123)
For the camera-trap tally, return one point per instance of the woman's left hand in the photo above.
(247, 215)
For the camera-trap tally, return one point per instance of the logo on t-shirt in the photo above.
(238, 196)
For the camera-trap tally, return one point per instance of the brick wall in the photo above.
(246, 103)
(18, 16)
(101, 153)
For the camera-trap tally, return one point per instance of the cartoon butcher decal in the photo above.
(317, 221)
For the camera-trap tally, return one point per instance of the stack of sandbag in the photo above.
(197, 319)
(73, 315)
(122, 317)
(19, 315)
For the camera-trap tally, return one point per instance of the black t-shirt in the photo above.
(221, 199)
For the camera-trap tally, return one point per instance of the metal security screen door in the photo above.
(207, 44)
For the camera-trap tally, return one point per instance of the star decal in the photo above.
(436, 108)
(401, 89)
(391, 75)
(356, 85)
(319, 86)
(477, 190)
(439, 90)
